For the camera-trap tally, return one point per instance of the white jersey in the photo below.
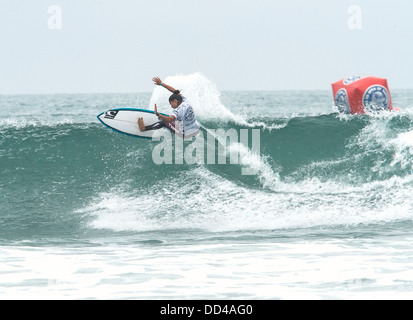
(186, 114)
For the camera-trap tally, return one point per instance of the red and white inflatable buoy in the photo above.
(358, 94)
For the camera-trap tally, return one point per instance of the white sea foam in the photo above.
(403, 145)
(24, 123)
(205, 98)
(217, 204)
(201, 92)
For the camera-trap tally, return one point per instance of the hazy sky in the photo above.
(119, 45)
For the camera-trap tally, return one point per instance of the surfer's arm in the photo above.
(167, 119)
(166, 86)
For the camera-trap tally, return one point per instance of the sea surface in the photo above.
(85, 213)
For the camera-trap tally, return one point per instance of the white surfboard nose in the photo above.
(125, 120)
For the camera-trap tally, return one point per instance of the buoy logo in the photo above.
(351, 79)
(341, 101)
(376, 98)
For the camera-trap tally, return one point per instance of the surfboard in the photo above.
(125, 120)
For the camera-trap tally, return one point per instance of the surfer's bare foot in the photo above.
(141, 124)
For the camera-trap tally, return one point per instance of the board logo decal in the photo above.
(342, 101)
(376, 98)
(111, 114)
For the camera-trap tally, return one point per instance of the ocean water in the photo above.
(85, 213)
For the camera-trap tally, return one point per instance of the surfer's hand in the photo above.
(157, 81)
(156, 110)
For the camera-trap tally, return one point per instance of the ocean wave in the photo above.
(325, 169)
(212, 203)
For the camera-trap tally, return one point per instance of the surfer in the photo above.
(182, 111)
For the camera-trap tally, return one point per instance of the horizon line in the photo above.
(149, 92)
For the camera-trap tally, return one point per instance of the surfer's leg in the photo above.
(155, 126)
